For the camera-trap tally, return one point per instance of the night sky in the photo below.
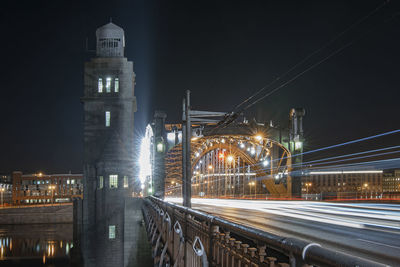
(221, 50)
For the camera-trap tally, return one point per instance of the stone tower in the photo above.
(109, 104)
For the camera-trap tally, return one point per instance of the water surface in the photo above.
(35, 245)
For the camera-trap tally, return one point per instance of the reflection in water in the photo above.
(35, 245)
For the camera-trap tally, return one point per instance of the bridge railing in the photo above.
(185, 237)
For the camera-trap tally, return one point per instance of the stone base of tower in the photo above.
(95, 247)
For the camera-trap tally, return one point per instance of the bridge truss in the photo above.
(232, 166)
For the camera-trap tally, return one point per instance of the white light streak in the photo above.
(344, 172)
(229, 174)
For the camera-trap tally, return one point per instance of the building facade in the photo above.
(391, 183)
(45, 188)
(342, 184)
(109, 104)
(5, 189)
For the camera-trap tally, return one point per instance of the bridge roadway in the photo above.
(370, 230)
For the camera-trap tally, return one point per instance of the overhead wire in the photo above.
(230, 117)
(327, 44)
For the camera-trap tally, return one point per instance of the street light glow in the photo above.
(265, 163)
(145, 156)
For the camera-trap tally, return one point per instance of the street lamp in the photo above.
(2, 190)
(52, 188)
(365, 186)
(258, 137)
(307, 185)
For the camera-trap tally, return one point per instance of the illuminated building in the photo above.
(42, 188)
(5, 189)
(342, 184)
(391, 183)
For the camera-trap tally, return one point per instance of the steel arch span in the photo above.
(232, 166)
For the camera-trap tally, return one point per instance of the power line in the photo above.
(230, 117)
(313, 53)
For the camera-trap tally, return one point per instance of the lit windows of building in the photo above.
(46, 188)
(100, 85)
(101, 182)
(113, 181)
(111, 232)
(391, 183)
(108, 118)
(343, 184)
(116, 85)
(126, 183)
(108, 85)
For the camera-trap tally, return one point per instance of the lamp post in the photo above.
(365, 186)
(2, 190)
(307, 185)
(52, 188)
(210, 167)
(251, 184)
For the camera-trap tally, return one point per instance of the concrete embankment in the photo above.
(37, 214)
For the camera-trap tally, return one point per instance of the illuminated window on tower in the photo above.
(108, 85)
(100, 85)
(116, 85)
(101, 182)
(113, 181)
(126, 185)
(108, 118)
(111, 231)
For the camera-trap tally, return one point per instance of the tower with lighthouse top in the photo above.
(109, 104)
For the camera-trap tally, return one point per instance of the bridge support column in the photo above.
(186, 158)
(160, 147)
(296, 140)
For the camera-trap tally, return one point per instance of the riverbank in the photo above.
(48, 214)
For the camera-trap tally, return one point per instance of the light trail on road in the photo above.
(366, 230)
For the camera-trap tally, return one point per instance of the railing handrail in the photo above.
(310, 253)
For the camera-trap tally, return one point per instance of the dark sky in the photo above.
(221, 50)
